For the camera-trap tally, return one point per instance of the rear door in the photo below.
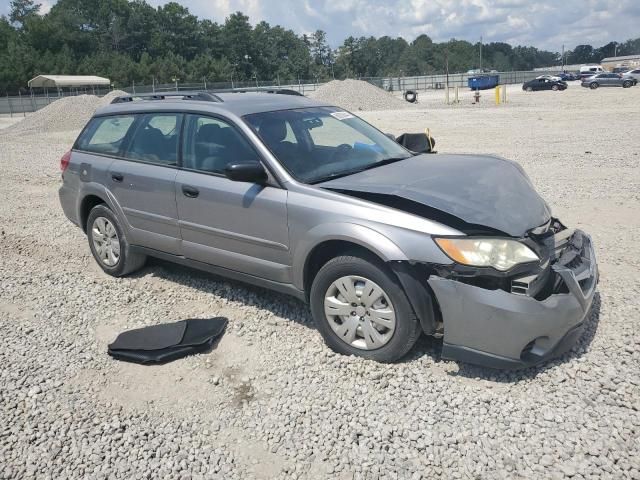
(143, 181)
(236, 225)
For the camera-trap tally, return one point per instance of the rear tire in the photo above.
(593, 86)
(109, 245)
(396, 327)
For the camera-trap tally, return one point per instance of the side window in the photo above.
(105, 134)
(210, 144)
(155, 140)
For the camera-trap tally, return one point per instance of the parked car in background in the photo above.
(632, 75)
(567, 76)
(588, 70)
(543, 84)
(607, 80)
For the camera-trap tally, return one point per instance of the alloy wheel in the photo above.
(105, 241)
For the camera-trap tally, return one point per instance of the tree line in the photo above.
(130, 41)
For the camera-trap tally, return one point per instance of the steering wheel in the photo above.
(341, 150)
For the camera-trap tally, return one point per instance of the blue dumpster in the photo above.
(483, 82)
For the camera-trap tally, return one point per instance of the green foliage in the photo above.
(130, 41)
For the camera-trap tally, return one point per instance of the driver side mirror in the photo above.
(251, 171)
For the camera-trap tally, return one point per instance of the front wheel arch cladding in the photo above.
(421, 299)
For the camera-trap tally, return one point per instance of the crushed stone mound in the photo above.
(68, 113)
(108, 98)
(355, 95)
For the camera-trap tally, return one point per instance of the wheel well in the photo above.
(324, 252)
(86, 206)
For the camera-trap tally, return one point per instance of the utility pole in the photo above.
(563, 57)
(480, 53)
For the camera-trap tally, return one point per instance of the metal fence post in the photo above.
(24, 114)
(9, 104)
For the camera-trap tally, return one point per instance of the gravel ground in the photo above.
(271, 401)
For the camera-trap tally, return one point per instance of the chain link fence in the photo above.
(21, 105)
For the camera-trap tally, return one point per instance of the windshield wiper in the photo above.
(353, 171)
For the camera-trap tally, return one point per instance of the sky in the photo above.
(541, 23)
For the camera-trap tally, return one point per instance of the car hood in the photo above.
(479, 190)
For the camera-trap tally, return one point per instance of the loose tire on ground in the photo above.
(411, 96)
(98, 222)
(406, 330)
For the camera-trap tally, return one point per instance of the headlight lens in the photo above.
(487, 252)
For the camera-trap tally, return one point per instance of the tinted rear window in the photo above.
(105, 134)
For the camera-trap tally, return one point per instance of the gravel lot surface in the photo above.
(271, 401)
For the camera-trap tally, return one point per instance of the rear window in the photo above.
(105, 134)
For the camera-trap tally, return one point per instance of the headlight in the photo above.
(487, 252)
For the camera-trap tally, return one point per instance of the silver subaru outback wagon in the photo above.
(305, 198)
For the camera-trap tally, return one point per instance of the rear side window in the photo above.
(155, 139)
(105, 134)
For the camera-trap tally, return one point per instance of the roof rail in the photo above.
(280, 91)
(202, 96)
(206, 96)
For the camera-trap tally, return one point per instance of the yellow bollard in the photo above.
(498, 95)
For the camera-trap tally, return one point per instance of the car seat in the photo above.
(274, 132)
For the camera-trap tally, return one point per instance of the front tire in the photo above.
(529, 89)
(360, 309)
(109, 245)
(593, 86)
(555, 88)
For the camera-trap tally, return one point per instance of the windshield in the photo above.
(319, 143)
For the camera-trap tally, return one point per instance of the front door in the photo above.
(144, 182)
(236, 225)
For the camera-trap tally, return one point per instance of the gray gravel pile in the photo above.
(271, 401)
(68, 113)
(356, 95)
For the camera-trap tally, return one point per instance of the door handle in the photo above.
(117, 177)
(189, 191)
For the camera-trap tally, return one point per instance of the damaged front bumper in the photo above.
(501, 329)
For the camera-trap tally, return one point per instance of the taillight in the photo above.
(64, 161)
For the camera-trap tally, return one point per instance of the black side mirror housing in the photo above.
(251, 171)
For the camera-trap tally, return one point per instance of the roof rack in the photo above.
(279, 91)
(206, 96)
(202, 96)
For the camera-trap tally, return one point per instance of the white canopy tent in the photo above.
(60, 81)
